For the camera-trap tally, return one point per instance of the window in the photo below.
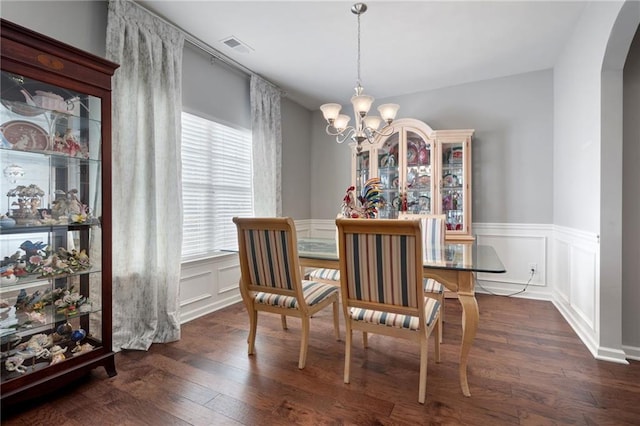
(216, 185)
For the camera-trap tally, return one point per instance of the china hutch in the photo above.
(421, 170)
(55, 228)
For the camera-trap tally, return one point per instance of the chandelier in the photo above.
(366, 126)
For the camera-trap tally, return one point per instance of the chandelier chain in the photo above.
(359, 82)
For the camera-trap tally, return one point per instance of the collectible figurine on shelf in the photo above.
(404, 206)
(366, 204)
(7, 275)
(80, 349)
(32, 249)
(57, 354)
(14, 363)
(67, 208)
(69, 145)
(25, 209)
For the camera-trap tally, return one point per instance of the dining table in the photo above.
(454, 264)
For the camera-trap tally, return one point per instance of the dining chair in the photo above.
(326, 275)
(382, 286)
(433, 233)
(270, 278)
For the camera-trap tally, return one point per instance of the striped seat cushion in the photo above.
(313, 292)
(431, 308)
(432, 286)
(325, 274)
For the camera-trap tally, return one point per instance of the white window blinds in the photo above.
(216, 183)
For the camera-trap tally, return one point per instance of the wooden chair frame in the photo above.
(249, 289)
(411, 229)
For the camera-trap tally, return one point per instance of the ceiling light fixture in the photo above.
(366, 126)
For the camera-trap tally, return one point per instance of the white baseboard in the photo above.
(632, 352)
(187, 315)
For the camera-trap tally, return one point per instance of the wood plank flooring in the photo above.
(527, 367)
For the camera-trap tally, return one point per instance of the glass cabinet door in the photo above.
(389, 173)
(452, 185)
(50, 236)
(362, 169)
(419, 158)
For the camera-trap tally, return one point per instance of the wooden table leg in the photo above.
(470, 319)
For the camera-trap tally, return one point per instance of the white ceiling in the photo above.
(309, 48)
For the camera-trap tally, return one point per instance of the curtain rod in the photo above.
(196, 42)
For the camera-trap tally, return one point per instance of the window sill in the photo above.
(219, 255)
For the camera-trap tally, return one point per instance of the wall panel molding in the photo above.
(208, 285)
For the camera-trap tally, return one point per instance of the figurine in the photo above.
(370, 199)
(80, 349)
(57, 354)
(14, 363)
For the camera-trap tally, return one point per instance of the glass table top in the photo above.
(453, 256)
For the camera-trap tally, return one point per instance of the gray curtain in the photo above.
(267, 147)
(147, 201)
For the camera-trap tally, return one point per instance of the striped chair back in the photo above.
(433, 234)
(380, 264)
(268, 254)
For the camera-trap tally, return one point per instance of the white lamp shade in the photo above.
(388, 111)
(372, 121)
(341, 122)
(330, 111)
(362, 104)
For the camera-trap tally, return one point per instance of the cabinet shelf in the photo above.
(34, 364)
(52, 319)
(20, 110)
(27, 281)
(18, 229)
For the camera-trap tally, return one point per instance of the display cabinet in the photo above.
(421, 170)
(55, 228)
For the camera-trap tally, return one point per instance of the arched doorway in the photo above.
(620, 210)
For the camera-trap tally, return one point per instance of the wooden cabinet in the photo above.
(55, 230)
(422, 171)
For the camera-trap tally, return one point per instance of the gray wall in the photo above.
(212, 90)
(296, 160)
(81, 24)
(512, 146)
(330, 170)
(631, 198)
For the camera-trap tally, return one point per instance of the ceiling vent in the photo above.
(235, 44)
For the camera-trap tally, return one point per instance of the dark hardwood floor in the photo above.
(527, 367)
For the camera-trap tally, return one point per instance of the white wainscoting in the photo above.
(567, 274)
(210, 284)
(576, 293)
(518, 246)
